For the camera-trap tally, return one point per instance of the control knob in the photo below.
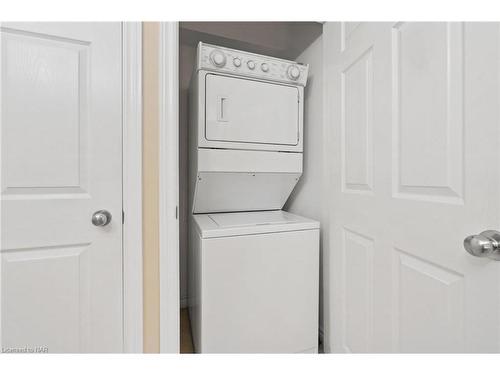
(237, 62)
(251, 64)
(264, 67)
(218, 58)
(293, 72)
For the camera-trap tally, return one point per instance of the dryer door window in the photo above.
(248, 111)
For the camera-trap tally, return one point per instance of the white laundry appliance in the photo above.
(253, 268)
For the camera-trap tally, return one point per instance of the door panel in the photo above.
(413, 172)
(61, 280)
(428, 104)
(357, 161)
(242, 110)
(357, 282)
(440, 311)
(50, 77)
(55, 307)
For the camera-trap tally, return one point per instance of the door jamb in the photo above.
(169, 187)
(132, 187)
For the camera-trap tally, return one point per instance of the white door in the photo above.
(413, 120)
(248, 111)
(61, 276)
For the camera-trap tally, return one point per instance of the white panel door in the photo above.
(248, 111)
(61, 276)
(412, 116)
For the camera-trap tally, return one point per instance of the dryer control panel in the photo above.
(248, 64)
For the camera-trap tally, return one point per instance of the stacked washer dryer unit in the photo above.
(253, 268)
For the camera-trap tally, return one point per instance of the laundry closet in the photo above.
(250, 133)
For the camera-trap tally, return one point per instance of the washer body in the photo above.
(255, 283)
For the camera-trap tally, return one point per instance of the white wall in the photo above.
(306, 199)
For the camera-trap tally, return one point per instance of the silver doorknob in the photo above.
(484, 245)
(101, 218)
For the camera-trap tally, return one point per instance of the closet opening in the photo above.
(299, 42)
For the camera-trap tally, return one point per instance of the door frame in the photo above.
(169, 187)
(132, 186)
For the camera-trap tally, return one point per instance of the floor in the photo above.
(186, 339)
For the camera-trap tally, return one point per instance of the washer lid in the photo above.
(245, 223)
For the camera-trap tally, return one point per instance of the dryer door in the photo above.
(248, 111)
